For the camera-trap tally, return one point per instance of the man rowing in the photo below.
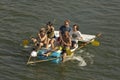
(64, 37)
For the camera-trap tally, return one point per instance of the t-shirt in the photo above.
(75, 35)
(64, 28)
(50, 34)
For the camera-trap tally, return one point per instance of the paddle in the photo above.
(95, 43)
(31, 62)
(25, 43)
(68, 51)
(29, 59)
(92, 41)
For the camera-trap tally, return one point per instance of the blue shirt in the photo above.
(64, 28)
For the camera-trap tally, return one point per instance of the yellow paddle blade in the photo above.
(60, 48)
(95, 43)
(68, 51)
(25, 42)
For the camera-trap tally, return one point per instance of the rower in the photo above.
(66, 43)
(75, 35)
(63, 28)
(43, 38)
(50, 34)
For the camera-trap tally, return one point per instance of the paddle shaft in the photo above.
(29, 59)
(31, 62)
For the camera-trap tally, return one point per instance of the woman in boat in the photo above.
(50, 34)
(75, 35)
(43, 38)
(66, 43)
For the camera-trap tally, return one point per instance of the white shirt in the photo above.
(75, 35)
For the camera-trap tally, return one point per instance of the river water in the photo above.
(19, 19)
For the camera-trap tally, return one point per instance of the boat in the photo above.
(55, 55)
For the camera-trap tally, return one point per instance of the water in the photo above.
(19, 19)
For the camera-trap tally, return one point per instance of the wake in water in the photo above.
(82, 58)
(79, 59)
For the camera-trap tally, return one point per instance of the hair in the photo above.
(77, 27)
(42, 30)
(67, 21)
(67, 33)
(49, 23)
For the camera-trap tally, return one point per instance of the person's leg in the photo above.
(34, 40)
(64, 56)
(40, 45)
(46, 42)
(52, 43)
(74, 44)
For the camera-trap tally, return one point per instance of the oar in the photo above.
(95, 43)
(29, 60)
(54, 21)
(68, 51)
(25, 43)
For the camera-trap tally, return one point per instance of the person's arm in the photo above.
(67, 43)
(43, 38)
(80, 36)
(71, 34)
(39, 36)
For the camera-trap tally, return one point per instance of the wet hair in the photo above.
(77, 27)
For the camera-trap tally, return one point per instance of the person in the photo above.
(43, 38)
(35, 41)
(75, 35)
(66, 43)
(50, 34)
(63, 28)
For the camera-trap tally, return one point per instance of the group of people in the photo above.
(68, 37)
(45, 37)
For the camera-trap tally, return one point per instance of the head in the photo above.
(49, 23)
(42, 31)
(75, 27)
(66, 22)
(49, 26)
(66, 33)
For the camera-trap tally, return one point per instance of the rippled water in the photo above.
(19, 19)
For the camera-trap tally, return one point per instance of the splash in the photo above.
(79, 59)
(82, 58)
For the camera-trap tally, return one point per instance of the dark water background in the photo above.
(20, 19)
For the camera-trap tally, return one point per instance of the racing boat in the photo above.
(55, 55)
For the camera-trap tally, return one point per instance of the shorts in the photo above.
(73, 43)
